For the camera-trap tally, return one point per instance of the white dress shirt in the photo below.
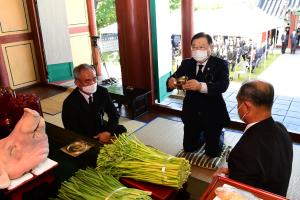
(203, 84)
(86, 97)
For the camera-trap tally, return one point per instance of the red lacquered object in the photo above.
(12, 108)
(6, 123)
(159, 192)
(219, 181)
(17, 193)
(19, 102)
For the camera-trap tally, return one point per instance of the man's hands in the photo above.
(172, 83)
(192, 85)
(104, 137)
(189, 85)
(223, 171)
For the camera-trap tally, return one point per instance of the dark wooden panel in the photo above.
(187, 27)
(15, 38)
(37, 40)
(135, 44)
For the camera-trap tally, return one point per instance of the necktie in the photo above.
(90, 100)
(199, 69)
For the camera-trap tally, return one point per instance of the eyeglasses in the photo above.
(89, 81)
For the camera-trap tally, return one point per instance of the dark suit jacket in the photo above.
(79, 117)
(263, 157)
(210, 107)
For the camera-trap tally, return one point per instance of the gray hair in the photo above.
(77, 70)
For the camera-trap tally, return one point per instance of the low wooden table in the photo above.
(68, 165)
(47, 179)
(135, 98)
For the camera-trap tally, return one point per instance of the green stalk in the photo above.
(93, 185)
(129, 157)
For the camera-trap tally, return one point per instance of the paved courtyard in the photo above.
(284, 74)
(286, 109)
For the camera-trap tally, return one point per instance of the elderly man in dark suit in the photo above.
(84, 108)
(284, 42)
(204, 112)
(294, 41)
(263, 156)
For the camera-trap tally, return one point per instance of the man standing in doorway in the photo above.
(284, 42)
(294, 41)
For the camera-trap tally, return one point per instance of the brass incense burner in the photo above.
(181, 81)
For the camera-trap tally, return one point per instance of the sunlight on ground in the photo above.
(242, 73)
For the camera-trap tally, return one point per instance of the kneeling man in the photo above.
(84, 108)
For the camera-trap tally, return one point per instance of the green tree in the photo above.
(105, 12)
(174, 4)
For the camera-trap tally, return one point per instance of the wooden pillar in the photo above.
(134, 32)
(37, 40)
(293, 26)
(187, 27)
(93, 32)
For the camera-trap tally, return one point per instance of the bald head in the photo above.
(260, 93)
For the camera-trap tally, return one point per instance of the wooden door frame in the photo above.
(37, 40)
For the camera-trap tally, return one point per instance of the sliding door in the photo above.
(56, 41)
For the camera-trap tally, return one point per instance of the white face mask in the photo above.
(90, 89)
(199, 55)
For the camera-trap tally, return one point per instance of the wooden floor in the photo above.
(43, 91)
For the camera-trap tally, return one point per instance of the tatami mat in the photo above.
(54, 119)
(163, 134)
(167, 136)
(53, 104)
(131, 125)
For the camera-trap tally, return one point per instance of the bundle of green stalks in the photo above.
(93, 185)
(129, 157)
